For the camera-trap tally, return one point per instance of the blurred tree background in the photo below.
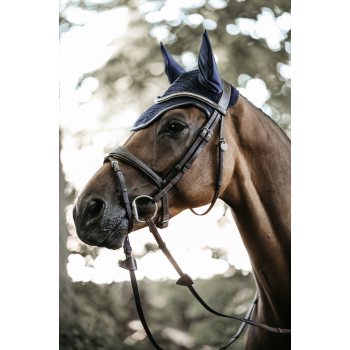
(252, 43)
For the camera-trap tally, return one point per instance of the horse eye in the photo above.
(176, 127)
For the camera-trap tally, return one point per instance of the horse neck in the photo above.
(259, 197)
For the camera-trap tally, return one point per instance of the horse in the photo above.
(255, 184)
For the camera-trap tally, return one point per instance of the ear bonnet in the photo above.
(201, 87)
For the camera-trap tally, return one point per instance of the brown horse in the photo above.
(256, 185)
(255, 182)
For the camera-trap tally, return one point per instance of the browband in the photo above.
(221, 106)
(188, 94)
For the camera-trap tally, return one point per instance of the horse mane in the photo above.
(268, 117)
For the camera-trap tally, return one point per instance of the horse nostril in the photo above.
(94, 208)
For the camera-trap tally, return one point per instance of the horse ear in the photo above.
(209, 74)
(172, 69)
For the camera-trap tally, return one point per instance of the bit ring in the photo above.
(134, 208)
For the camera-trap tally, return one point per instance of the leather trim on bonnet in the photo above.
(173, 106)
(189, 82)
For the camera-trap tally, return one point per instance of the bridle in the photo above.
(122, 153)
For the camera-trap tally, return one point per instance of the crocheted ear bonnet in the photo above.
(204, 81)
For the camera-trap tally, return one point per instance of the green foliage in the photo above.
(103, 313)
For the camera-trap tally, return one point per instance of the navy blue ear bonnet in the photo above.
(204, 81)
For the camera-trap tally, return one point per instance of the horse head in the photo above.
(160, 139)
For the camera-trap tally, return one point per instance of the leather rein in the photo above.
(122, 153)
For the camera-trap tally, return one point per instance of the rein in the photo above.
(165, 185)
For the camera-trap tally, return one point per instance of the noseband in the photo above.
(122, 153)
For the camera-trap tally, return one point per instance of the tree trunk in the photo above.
(66, 295)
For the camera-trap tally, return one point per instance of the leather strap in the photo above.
(162, 246)
(163, 219)
(120, 176)
(166, 252)
(138, 303)
(124, 154)
(220, 171)
(241, 328)
(137, 299)
(196, 148)
(224, 102)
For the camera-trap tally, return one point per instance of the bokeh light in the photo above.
(194, 19)
(218, 4)
(209, 24)
(233, 29)
(255, 91)
(160, 32)
(189, 60)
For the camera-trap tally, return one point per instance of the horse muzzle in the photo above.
(101, 224)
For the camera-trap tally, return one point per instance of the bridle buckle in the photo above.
(207, 130)
(115, 164)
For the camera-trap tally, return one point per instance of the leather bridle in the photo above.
(122, 153)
